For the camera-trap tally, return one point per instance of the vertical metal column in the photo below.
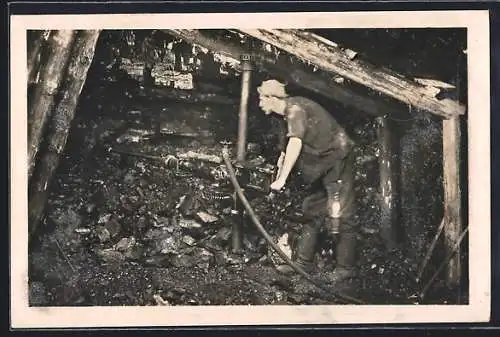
(246, 67)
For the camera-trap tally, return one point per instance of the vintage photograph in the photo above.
(247, 167)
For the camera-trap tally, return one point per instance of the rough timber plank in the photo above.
(289, 72)
(329, 57)
(51, 74)
(80, 61)
(34, 54)
(452, 200)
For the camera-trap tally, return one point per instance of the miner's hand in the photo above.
(277, 185)
(271, 196)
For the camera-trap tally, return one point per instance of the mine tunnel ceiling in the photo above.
(417, 55)
(414, 52)
(437, 54)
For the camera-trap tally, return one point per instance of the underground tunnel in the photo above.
(140, 209)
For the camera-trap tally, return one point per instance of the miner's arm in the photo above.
(293, 149)
(297, 121)
(282, 144)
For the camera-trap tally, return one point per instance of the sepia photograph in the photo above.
(302, 166)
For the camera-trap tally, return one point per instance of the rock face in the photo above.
(422, 184)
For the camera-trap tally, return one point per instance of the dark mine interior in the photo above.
(127, 223)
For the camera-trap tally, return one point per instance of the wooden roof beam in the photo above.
(290, 73)
(329, 57)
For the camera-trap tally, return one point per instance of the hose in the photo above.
(265, 234)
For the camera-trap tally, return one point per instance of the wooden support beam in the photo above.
(288, 72)
(80, 61)
(51, 74)
(452, 200)
(34, 55)
(329, 57)
(389, 194)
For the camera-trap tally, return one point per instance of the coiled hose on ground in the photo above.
(265, 234)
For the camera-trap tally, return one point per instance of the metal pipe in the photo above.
(246, 68)
(237, 230)
(237, 226)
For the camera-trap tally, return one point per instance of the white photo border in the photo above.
(478, 114)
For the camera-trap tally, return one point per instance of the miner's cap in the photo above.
(272, 88)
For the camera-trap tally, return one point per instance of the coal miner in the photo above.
(322, 152)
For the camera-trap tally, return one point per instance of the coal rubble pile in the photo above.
(124, 229)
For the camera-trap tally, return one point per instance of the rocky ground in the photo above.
(125, 230)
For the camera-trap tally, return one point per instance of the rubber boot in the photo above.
(305, 249)
(345, 271)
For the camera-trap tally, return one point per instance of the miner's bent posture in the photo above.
(322, 150)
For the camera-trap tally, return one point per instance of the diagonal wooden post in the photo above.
(331, 58)
(80, 61)
(290, 72)
(452, 200)
(34, 55)
(51, 74)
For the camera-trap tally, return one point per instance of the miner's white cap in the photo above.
(272, 88)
